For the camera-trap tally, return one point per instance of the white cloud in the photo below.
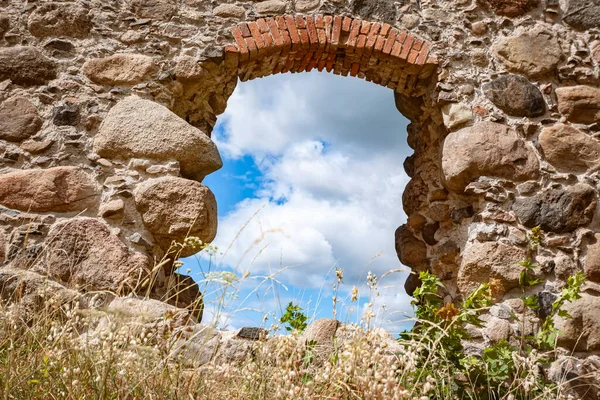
(331, 151)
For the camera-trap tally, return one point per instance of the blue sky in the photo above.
(312, 181)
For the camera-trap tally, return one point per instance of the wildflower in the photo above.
(354, 293)
(448, 312)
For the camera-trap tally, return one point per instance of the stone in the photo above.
(580, 104)
(36, 147)
(558, 210)
(174, 208)
(252, 333)
(592, 260)
(534, 53)
(582, 14)
(577, 378)
(412, 283)
(486, 149)
(59, 189)
(59, 48)
(83, 252)
(456, 115)
(144, 310)
(516, 96)
(112, 209)
(3, 244)
(411, 251)
(321, 331)
(408, 106)
(511, 8)
(273, 7)
(234, 351)
(155, 9)
(137, 128)
(570, 150)
(120, 69)
(483, 261)
(196, 345)
(4, 24)
(19, 119)
(307, 5)
(60, 19)
(66, 115)
(229, 10)
(581, 332)
(181, 291)
(497, 329)
(375, 9)
(26, 66)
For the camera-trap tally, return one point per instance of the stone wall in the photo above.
(107, 106)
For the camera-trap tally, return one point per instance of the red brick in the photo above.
(396, 49)
(300, 22)
(288, 65)
(239, 39)
(245, 30)
(373, 35)
(312, 65)
(322, 38)
(328, 21)
(275, 32)
(385, 29)
(281, 23)
(346, 23)
(365, 28)
(268, 39)
(255, 30)
(306, 60)
(337, 30)
(389, 43)
(401, 37)
(360, 45)
(291, 25)
(252, 48)
(321, 65)
(407, 46)
(354, 31)
(423, 53)
(312, 32)
(262, 25)
(355, 69)
(232, 56)
(319, 22)
(417, 43)
(330, 65)
(304, 38)
(412, 57)
(379, 44)
(287, 42)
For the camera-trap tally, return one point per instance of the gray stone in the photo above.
(59, 189)
(576, 377)
(19, 119)
(196, 345)
(180, 291)
(60, 19)
(582, 14)
(570, 150)
(497, 329)
(307, 5)
(581, 332)
(145, 310)
(580, 104)
(516, 96)
(120, 69)
(155, 9)
(271, 7)
(252, 333)
(83, 252)
(375, 9)
(558, 210)
(486, 149)
(229, 10)
(321, 331)
(456, 115)
(408, 106)
(175, 208)
(137, 128)
(534, 53)
(66, 115)
(483, 261)
(26, 66)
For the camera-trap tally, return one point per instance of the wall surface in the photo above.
(106, 111)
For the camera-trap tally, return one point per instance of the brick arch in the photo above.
(375, 51)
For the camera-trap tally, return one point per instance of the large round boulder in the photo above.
(486, 149)
(581, 332)
(516, 96)
(175, 208)
(138, 128)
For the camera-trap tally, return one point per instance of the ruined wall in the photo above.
(106, 110)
